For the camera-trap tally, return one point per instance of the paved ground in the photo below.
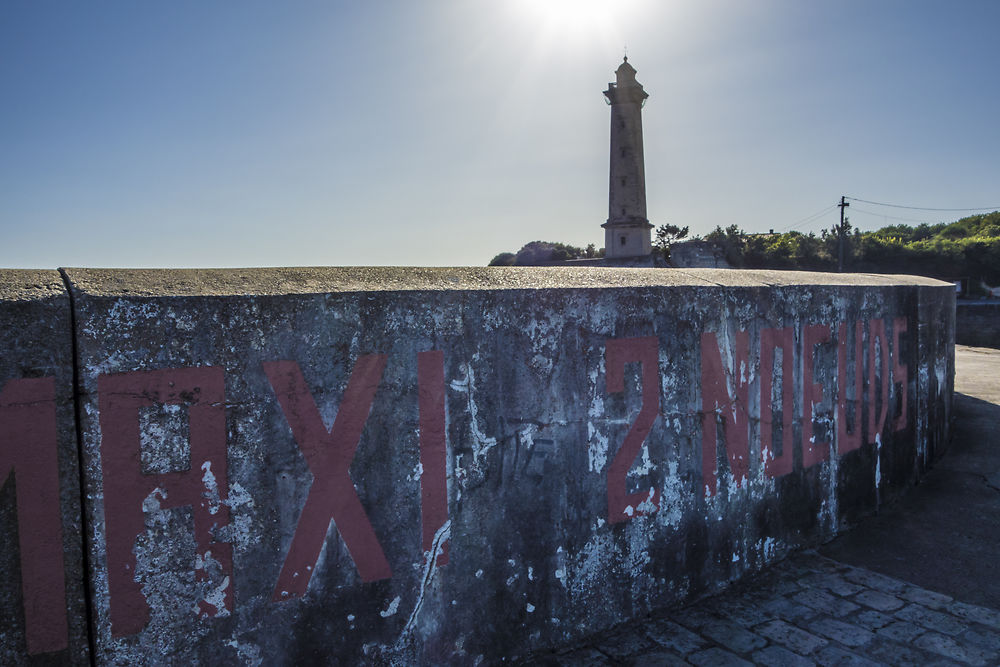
(916, 585)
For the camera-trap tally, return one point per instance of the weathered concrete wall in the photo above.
(43, 618)
(978, 324)
(435, 465)
(431, 465)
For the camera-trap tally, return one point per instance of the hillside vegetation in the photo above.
(967, 248)
(540, 253)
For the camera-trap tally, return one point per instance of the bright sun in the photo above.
(569, 18)
(571, 14)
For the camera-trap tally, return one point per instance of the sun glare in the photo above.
(569, 19)
(571, 15)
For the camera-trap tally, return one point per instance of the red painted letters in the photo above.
(28, 449)
(623, 505)
(876, 331)
(847, 442)
(813, 452)
(433, 450)
(724, 393)
(899, 370)
(770, 340)
(727, 406)
(202, 389)
(329, 455)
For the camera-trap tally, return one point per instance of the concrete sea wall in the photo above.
(436, 466)
(977, 323)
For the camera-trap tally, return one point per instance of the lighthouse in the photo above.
(627, 231)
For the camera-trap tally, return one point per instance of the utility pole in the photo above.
(840, 242)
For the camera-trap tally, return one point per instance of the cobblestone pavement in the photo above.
(806, 610)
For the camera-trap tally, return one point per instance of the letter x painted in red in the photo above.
(329, 455)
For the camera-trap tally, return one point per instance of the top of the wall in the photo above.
(306, 280)
(30, 284)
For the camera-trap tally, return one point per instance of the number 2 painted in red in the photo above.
(623, 505)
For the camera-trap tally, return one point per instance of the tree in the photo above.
(540, 253)
(503, 259)
(666, 235)
(969, 247)
(731, 241)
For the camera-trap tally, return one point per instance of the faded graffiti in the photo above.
(130, 491)
(621, 504)
(329, 455)
(751, 398)
(727, 372)
(725, 398)
(126, 486)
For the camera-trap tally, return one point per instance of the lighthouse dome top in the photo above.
(625, 71)
(625, 89)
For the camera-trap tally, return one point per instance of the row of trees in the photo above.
(967, 248)
(538, 253)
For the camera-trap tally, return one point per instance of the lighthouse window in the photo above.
(623, 240)
(623, 152)
(623, 181)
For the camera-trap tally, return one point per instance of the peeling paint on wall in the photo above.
(392, 476)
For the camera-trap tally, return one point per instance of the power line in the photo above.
(810, 218)
(923, 208)
(841, 232)
(889, 217)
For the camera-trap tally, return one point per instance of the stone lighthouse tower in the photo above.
(627, 231)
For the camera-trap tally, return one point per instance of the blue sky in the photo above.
(442, 132)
